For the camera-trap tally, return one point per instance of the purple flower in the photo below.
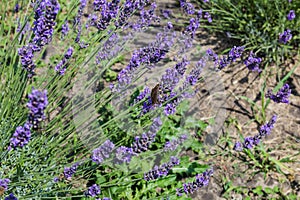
(253, 63)
(145, 19)
(208, 17)
(282, 96)
(170, 109)
(166, 13)
(26, 56)
(4, 183)
(21, 136)
(124, 154)
(55, 179)
(93, 191)
(181, 66)
(17, 8)
(192, 27)
(103, 152)
(69, 171)
(194, 75)
(201, 180)
(235, 53)
(61, 67)
(45, 16)
(187, 7)
(142, 143)
(238, 146)
(128, 8)
(142, 95)
(11, 196)
(37, 103)
(205, 1)
(248, 143)
(266, 129)
(109, 11)
(162, 170)
(173, 144)
(291, 15)
(98, 3)
(65, 29)
(285, 36)
(212, 55)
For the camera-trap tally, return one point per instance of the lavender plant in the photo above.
(250, 23)
(61, 134)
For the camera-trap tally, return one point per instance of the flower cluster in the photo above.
(141, 143)
(45, 16)
(61, 67)
(193, 76)
(234, 53)
(109, 11)
(250, 142)
(11, 196)
(65, 29)
(173, 144)
(77, 20)
(201, 180)
(142, 95)
(21, 136)
(37, 103)
(285, 36)
(129, 7)
(69, 171)
(93, 191)
(187, 7)
(146, 17)
(162, 170)
(26, 56)
(291, 15)
(103, 152)
(4, 183)
(282, 96)
(252, 63)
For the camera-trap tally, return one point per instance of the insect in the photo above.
(154, 94)
(2, 190)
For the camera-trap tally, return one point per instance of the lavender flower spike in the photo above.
(69, 171)
(162, 170)
(37, 103)
(26, 56)
(282, 96)
(291, 15)
(61, 67)
(252, 63)
(103, 152)
(45, 16)
(11, 197)
(285, 36)
(4, 183)
(21, 136)
(201, 180)
(250, 142)
(93, 191)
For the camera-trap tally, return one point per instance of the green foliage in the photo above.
(257, 25)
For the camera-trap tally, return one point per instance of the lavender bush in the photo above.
(74, 126)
